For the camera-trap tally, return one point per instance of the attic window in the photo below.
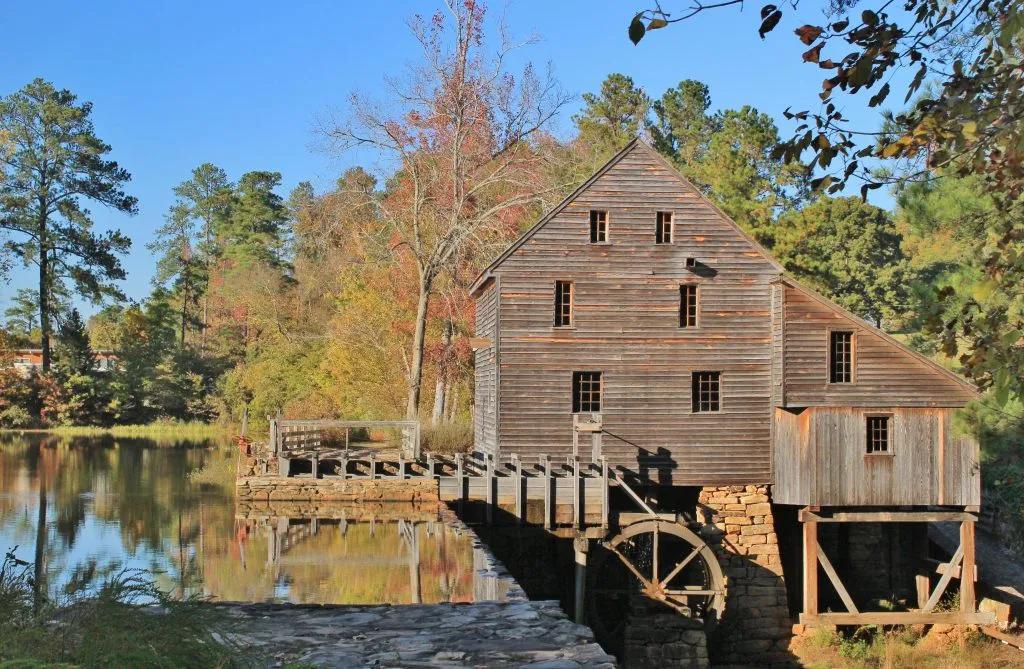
(688, 305)
(663, 231)
(840, 357)
(598, 226)
(563, 303)
(878, 435)
(706, 391)
(586, 392)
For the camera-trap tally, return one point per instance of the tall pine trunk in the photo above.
(44, 291)
(412, 409)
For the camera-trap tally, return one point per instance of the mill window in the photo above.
(840, 357)
(663, 231)
(706, 391)
(563, 303)
(878, 434)
(586, 392)
(598, 226)
(688, 306)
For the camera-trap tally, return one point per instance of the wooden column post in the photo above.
(546, 462)
(810, 567)
(580, 548)
(968, 603)
(924, 584)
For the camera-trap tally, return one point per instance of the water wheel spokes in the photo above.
(657, 561)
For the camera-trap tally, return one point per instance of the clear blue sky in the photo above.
(241, 84)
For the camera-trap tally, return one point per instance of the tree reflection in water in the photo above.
(89, 506)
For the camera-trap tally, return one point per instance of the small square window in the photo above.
(586, 392)
(663, 231)
(563, 303)
(706, 391)
(688, 305)
(878, 434)
(840, 357)
(598, 226)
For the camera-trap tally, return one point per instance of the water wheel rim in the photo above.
(657, 587)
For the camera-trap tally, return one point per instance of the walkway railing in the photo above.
(301, 438)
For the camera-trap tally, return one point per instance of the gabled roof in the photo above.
(860, 322)
(485, 275)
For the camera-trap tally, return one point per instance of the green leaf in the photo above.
(869, 17)
(636, 29)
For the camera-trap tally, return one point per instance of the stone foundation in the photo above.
(657, 637)
(740, 527)
(276, 488)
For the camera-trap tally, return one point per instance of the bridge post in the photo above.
(546, 462)
(581, 546)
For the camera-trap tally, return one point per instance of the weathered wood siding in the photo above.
(821, 459)
(485, 397)
(626, 325)
(884, 374)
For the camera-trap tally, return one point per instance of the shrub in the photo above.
(447, 438)
(125, 622)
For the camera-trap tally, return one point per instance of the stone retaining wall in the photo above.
(657, 638)
(275, 488)
(740, 527)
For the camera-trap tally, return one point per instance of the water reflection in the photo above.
(82, 507)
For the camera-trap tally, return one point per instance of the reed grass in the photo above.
(169, 430)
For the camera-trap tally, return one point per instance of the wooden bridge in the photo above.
(571, 493)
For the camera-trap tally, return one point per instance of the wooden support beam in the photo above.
(546, 462)
(901, 618)
(922, 577)
(886, 516)
(576, 510)
(968, 603)
(492, 489)
(834, 577)
(460, 475)
(940, 587)
(518, 465)
(605, 492)
(810, 567)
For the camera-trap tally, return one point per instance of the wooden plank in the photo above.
(810, 544)
(940, 587)
(901, 618)
(968, 603)
(836, 582)
(547, 493)
(887, 516)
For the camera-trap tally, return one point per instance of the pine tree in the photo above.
(55, 163)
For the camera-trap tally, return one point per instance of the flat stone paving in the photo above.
(495, 635)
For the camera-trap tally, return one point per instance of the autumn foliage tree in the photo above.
(460, 133)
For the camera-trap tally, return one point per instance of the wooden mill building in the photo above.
(638, 306)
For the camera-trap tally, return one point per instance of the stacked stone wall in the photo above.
(739, 525)
(276, 488)
(658, 638)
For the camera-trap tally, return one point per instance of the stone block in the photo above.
(761, 509)
(757, 529)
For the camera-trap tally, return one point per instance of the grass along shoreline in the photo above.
(168, 430)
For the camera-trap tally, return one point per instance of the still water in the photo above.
(87, 507)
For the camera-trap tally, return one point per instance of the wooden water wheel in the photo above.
(652, 561)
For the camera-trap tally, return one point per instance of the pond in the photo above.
(88, 507)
